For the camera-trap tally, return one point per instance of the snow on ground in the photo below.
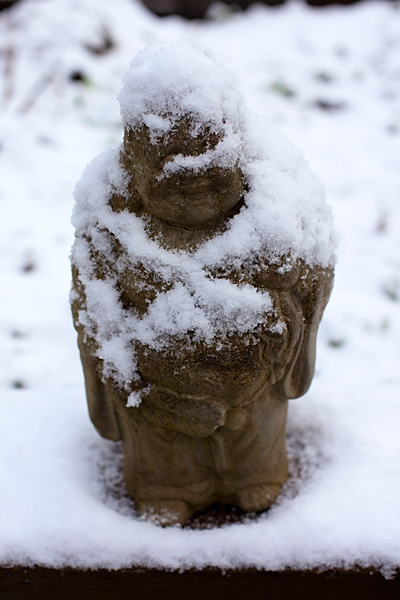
(330, 79)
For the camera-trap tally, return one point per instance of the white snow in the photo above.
(330, 80)
(164, 80)
(63, 501)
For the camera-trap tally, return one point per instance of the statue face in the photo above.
(185, 198)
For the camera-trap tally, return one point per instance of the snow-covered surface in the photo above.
(330, 80)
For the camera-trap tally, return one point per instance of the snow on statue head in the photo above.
(202, 264)
(182, 135)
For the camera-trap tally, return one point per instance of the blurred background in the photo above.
(328, 76)
(192, 9)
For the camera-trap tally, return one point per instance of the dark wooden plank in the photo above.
(19, 583)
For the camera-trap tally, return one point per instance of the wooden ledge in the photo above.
(20, 583)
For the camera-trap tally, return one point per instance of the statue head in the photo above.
(182, 139)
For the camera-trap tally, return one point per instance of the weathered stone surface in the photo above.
(211, 423)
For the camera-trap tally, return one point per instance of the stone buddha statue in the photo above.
(196, 317)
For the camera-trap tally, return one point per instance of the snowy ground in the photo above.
(330, 79)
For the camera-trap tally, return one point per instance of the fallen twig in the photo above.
(35, 92)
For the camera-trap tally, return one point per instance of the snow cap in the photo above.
(166, 82)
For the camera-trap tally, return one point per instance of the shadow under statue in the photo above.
(211, 423)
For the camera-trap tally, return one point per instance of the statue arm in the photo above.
(299, 297)
(100, 403)
(311, 295)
